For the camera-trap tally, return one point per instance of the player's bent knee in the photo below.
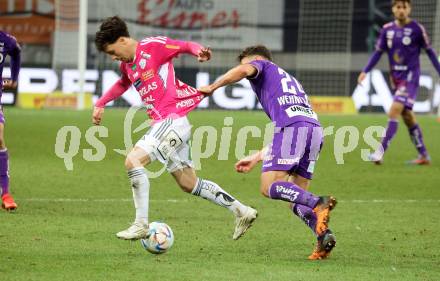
(132, 162)
(264, 190)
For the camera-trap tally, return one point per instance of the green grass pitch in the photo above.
(386, 222)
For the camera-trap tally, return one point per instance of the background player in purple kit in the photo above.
(8, 46)
(402, 39)
(288, 163)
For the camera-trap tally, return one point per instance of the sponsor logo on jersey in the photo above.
(133, 67)
(143, 63)
(136, 75)
(406, 40)
(185, 103)
(147, 75)
(148, 99)
(283, 161)
(297, 110)
(172, 47)
(396, 57)
(400, 67)
(137, 83)
(187, 92)
(146, 89)
(145, 55)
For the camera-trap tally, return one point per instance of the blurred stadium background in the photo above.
(324, 43)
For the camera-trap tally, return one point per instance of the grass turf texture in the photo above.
(386, 221)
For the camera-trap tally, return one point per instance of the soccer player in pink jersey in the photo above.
(8, 47)
(402, 39)
(147, 65)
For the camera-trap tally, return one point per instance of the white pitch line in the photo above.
(115, 200)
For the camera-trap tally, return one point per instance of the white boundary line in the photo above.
(116, 200)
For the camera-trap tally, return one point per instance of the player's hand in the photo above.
(97, 115)
(204, 54)
(206, 90)
(246, 164)
(361, 77)
(9, 84)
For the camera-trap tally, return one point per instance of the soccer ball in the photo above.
(159, 239)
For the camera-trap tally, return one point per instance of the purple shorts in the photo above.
(406, 93)
(294, 149)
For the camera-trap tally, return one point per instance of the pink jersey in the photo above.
(152, 74)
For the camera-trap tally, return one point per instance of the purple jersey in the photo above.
(9, 46)
(281, 95)
(403, 45)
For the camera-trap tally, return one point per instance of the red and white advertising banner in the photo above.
(221, 24)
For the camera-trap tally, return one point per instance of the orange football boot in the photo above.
(322, 211)
(8, 202)
(324, 246)
(421, 160)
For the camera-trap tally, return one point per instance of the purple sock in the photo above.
(306, 214)
(389, 134)
(417, 138)
(290, 192)
(4, 171)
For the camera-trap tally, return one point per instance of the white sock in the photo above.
(140, 186)
(213, 192)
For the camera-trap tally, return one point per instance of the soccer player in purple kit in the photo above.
(297, 131)
(402, 40)
(8, 46)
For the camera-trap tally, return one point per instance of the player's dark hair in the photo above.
(110, 30)
(394, 2)
(257, 50)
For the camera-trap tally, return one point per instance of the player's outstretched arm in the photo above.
(233, 75)
(246, 164)
(15, 55)
(113, 93)
(433, 58)
(175, 47)
(374, 59)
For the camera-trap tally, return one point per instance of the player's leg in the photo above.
(274, 186)
(416, 136)
(188, 181)
(8, 202)
(395, 111)
(325, 242)
(144, 152)
(304, 140)
(135, 161)
(174, 150)
(303, 212)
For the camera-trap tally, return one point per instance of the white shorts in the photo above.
(168, 142)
